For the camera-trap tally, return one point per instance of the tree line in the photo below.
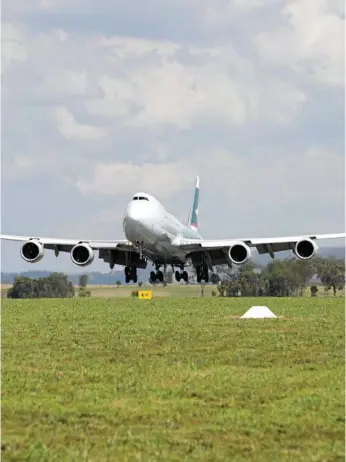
(282, 278)
(56, 285)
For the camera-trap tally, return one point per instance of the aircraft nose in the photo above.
(134, 212)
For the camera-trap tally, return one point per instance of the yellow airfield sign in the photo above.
(145, 295)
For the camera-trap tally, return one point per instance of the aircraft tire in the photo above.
(152, 277)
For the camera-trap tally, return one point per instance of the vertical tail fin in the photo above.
(193, 217)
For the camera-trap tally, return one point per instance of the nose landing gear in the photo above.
(140, 245)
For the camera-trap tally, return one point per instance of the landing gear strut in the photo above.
(158, 276)
(131, 274)
(202, 273)
(140, 245)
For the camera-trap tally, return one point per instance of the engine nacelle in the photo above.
(305, 249)
(238, 254)
(32, 251)
(82, 255)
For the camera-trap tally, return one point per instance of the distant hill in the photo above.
(98, 278)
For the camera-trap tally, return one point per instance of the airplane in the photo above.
(153, 234)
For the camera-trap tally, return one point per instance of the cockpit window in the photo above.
(140, 198)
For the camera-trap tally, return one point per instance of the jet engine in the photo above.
(82, 255)
(238, 253)
(305, 249)
(32, 251)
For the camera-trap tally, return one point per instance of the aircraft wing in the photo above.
(269, 245)
(66, 245)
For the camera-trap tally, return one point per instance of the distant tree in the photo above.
(23, 287)
(140, 284)
(248, 280)
(56, 285)
(214, 279)
(118, 283)
(332, 273)
(83, 280)
(278, 279)
(281, 280)
(228, 281)
(83, 292)
(303, 270)
(233, 287)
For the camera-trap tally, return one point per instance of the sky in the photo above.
(104, 99)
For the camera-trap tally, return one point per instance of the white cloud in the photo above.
(12, 45)
(310, 41)
(70, 129)
(215, 88)
(67, 82)
(311, 176)
(246, 5)
(127, 178)
(152, 83)
(137, 47)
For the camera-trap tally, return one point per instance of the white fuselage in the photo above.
(147, 221)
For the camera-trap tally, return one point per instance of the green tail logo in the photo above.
(193, 219)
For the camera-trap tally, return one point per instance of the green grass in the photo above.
(172, 380)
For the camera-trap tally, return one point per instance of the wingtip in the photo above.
(197, 181)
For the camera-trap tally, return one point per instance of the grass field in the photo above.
(172, 380)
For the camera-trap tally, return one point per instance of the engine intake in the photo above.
(239, 253)
(82, 255)
(305, 249)
(32, 251)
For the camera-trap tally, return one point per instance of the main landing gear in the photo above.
(158, 276)
(131, 271)
(131, 274)
(202, 273)
(181, 275)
